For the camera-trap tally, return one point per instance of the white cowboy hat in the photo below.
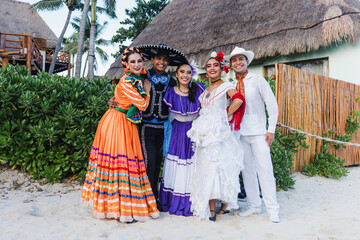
(240, 51)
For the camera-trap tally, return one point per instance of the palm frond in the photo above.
(48, 5)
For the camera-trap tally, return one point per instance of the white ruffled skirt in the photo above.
(217, 162)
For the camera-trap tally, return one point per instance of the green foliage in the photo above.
(283, 150)
(352, 122)
(271, 81)
(71, 43)
(47, 123)
(310, 169)
(341, 137)
(326, 164)
(138, 18)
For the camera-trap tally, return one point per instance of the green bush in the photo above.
(283, 150)
(310, 170)
(47, 123)
(326, 164)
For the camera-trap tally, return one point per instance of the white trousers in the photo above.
(258, 168)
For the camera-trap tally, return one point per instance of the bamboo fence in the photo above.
(315, 104)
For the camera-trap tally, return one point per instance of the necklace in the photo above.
(215, 81)
(212, 85)
(182, 91)
(182, 109)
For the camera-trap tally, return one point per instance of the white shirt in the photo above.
(258, 92)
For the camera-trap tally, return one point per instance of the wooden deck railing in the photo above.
(23, 48)
(63, 56)
(20, 46)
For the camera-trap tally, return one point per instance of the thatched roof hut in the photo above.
(269, 28)
(17, 17)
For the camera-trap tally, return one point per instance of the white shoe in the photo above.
(274, 217)
(249, 212)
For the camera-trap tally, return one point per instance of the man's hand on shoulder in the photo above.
(147, 85)
(269, 138)
(112, 103)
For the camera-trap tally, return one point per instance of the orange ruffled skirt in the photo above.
(116, 183)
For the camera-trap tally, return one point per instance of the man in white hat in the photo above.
(256, 139)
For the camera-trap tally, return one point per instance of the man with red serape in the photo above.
(254, 136)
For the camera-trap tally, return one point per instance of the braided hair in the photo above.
(125, 56)
(127, 52)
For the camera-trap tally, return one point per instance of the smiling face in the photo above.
(238, 64)
(160, 63)
(135, 63)
(213, 69)
(183, 74)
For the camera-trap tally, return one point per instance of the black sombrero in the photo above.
(176, 57)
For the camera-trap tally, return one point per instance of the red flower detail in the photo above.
(226, 69)
(220, 56)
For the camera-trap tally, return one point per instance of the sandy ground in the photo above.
(318, 208)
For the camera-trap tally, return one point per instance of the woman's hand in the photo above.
(235, 104)
(112, 103)
(147, 85)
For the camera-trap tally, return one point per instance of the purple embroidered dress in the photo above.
(174, 189)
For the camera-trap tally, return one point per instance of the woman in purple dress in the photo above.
(184, 106)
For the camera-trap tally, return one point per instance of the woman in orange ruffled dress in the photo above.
(116, 183)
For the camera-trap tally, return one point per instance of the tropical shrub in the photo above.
(283, 150)
(327, 164)
(47, 123)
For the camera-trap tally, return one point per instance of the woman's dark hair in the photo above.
(215, 59)
(130, 53)
(192, 85)
(127, 52)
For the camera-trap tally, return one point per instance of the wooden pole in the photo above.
(28, 54)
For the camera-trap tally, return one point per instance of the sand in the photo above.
(317, 209)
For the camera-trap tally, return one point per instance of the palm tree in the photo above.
(52, 5)
(110, 11)
(72, 46)
(81, 38)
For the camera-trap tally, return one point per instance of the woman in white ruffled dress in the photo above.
(218, 157)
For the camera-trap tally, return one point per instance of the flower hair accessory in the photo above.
(125, 56)
(126, 52)
(194, 68)
(219, 56)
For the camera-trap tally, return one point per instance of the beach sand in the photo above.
(317, 209)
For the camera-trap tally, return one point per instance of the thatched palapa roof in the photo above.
(267, 27)
(17, 17)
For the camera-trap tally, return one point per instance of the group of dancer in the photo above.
(215, 133)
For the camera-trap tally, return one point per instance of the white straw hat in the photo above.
(240, 51)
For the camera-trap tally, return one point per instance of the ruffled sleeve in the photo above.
(168, 97)
(180, 104)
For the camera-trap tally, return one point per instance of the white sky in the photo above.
(56, 20)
